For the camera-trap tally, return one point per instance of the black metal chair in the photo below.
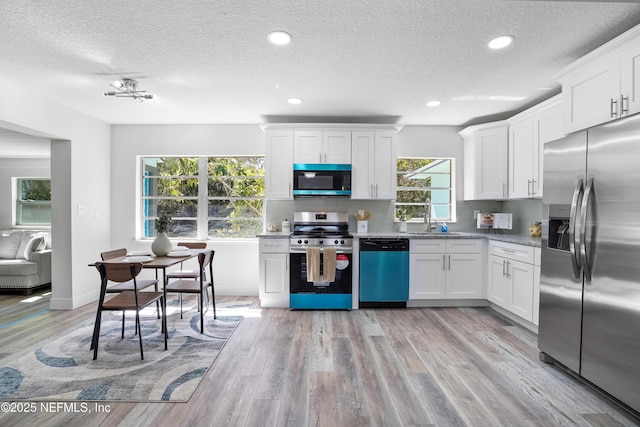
(125, 300)
(200, 287)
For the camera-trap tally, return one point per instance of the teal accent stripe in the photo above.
(321, 167)
(321, 192)
(24, 319)
(320, 301)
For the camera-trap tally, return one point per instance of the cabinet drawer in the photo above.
(511, 251)
(464, 246)
(274, 245)
(427, 246)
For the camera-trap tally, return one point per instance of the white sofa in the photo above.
(25, 260)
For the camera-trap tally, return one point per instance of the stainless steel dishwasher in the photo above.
(384, 273)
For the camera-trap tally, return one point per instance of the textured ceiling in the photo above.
(359, 60)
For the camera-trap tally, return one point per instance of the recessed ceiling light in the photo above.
(294, 101)
(279, 37)
(434, 103)
(501, 42)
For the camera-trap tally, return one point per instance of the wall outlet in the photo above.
(475, 214)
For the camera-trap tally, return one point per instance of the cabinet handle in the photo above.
(528, 187)
(623, 109)
(325, 157)
(504, 189)
(443, 261)
(319, 157)
(449, 262)
(508, 268)
(376, 191)
(503, 264)
(614, 112)
(533, 187)
(371, 191)
(290, 190)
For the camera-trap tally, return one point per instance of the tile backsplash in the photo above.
(382, 220)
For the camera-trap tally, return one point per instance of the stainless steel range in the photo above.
(321, 251)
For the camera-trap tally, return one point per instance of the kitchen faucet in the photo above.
(427, 213)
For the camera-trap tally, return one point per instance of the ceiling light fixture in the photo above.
(128, 88)
(279, 37)
(434, 103)
(501, 42)
(294, 101)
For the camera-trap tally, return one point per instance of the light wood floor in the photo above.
(409, 367)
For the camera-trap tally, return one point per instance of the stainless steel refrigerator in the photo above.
(590, 278)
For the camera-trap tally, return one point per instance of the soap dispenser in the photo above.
(286, 226)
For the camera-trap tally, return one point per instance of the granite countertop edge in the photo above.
(519, 239)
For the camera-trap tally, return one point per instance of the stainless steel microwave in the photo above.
(321, 179)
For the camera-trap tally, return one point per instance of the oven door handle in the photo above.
(304, 251)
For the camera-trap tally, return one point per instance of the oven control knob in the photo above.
(299, 242)
(306, 241)
(342, 242)
(321, 241)
(335, 243)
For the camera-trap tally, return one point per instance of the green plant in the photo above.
(403, 214)
(162, 222)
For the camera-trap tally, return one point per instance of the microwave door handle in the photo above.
(575, 202)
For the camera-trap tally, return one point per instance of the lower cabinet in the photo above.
(446, 269)
(512, 279)
(274, 273)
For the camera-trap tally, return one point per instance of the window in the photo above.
(207, 197)
(33, 201)
(419, 178)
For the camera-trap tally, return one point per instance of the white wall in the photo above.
(19, 168)
(80, 175)
(236, 261)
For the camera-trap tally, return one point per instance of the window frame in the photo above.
(451, 188)
(18, 202)
(202, 199)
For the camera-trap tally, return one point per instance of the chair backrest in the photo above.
(119, 271)
(205, 259)
(116, 253)
(193, 245)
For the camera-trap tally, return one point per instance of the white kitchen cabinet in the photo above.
(603, 85)
(528, 132)
(373, 165)
(279, 164)
(446, 269)
(311, 146)
(274, 273)
(511, 278)
(485, 161)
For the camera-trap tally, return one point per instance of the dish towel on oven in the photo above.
(329, 264)
(313, 264)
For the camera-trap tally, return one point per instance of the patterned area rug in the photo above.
(63, 368)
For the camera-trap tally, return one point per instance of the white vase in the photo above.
(161, 246)
(403, 227)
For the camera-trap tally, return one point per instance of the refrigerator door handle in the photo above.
(575, 202)
(586, 263)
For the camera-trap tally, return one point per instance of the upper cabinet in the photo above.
(311, 146)
(603, 85)
(279, 164)
(373, 165)
(485, 161)
(528, 131)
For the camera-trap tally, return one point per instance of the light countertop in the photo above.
(520, 239)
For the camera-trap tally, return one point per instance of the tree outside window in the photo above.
(419, 178)
(33, 202)
(216, 197)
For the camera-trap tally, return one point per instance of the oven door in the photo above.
(298, 275)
